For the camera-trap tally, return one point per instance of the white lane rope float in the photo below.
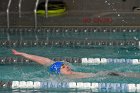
(96, 87)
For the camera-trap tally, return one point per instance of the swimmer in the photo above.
(59, 67)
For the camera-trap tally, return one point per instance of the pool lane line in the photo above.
(71, 26)
(110, 61)
(96, 87)
(103, 29)
(71, 43)
(92, 61)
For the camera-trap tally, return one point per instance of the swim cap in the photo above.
(56, 67)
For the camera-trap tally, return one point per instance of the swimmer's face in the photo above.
(65, 69)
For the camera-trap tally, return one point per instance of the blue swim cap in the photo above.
(56, 67)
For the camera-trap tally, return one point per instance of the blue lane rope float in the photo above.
(95, 86)
(94, 61)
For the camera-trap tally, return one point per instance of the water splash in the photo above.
(114, 9)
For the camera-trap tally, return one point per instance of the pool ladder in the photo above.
(20, 12)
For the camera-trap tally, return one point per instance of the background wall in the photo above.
(119, 11)
(78, 5)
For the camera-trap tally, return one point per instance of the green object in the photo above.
(55, 8)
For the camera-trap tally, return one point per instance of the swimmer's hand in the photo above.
(113, 74)
(16, 52)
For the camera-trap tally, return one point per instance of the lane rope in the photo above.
(94, 61)
(97, 87)
(70, 43)
(65, 29)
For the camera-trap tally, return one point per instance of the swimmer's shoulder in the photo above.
(49, 64)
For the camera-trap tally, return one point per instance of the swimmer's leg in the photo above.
(37, 59)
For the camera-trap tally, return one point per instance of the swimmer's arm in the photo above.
(78, 75)
(104, 73)
(89, 75)
(125, 74)
(129, 74)
(37, 59)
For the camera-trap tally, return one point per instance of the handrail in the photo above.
(19, 5)
(46, 8)
(35, 13)
(8, 7)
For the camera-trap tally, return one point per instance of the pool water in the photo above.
(99, 52)
(36, 72)
(40, 73)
